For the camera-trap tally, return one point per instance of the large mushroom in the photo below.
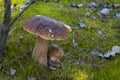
(46, 29)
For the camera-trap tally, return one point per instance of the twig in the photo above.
(11, 23)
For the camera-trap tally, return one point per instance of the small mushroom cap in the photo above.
(47, 28)
(55, 52)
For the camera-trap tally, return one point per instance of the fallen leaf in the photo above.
(22, 7)
(109, 53)
(82, 25)
(87, 14)
(80, 5)
(105, 11)
(74, 42)
(28, 1)
(93, 17)
(45, 0)
(21, 37)
(73, 5)
(92, 8)
(97, 53)
(113, 52)
(116, 49)
(100, 32)
(105, 4)
(12, 71)
(31, 78)
(93, 4)
(117, 14)
(114, 6)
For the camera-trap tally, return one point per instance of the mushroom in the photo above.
(46, 29)
(55, 53)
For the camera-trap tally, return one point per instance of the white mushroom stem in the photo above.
(40, 51)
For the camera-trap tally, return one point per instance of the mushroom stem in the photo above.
(40, 51)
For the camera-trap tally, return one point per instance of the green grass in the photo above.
(18, 52)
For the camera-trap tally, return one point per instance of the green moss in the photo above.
(18, 51)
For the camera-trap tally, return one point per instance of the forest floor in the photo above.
(78, 62)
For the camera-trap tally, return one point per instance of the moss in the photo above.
(18, 51)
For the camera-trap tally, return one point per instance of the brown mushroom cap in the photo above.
(47, 28)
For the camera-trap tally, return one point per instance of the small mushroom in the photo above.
(46, 29)
(55, 53)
